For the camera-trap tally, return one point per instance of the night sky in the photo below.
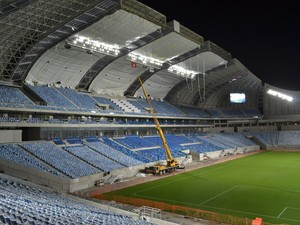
(264, 35)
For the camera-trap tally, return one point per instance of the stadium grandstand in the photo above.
(73, 116)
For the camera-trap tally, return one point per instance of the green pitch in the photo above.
(265, 185)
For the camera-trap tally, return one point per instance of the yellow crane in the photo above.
(172, 163)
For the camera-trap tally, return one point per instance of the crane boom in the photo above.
(170, 160)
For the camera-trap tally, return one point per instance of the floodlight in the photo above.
(144, 60)
(182, 72)
(280, 95)
(93, 45)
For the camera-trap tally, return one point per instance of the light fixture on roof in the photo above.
(93, 45)
(280, 95)
(182, 72)
(144, 60)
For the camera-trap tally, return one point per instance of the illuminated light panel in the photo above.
(180, 71)
(94, 45)
(280, 95)
(145, 60)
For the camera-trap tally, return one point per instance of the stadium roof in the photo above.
(103, 46)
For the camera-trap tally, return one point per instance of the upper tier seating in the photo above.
(13, 97)
(194, 112)
(52, 97)
(24, 204)
(67, 99)
(80, 99)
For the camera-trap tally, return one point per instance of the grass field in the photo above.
(265, 185)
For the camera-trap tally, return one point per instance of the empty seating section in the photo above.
(126, 106)
(134, 142)
(9, 120)
(289, 138)
(174, 148)
(94, 158)
(67, 99)
(23, 204)
(52, 97)
(60, 159)
(215, 113)
(194, 112)
(252, 112)
(108, 102)
(230, 140)
(166, 108)
(160, 107)
(178, 139)
(74, 140)
(58, 141)
(124, 150)
(80, 99)
(203, 143)
(15, 154)
(154, 154)
(13, 97)
(266, 137)
(96, 155)
(232, 113)
(91, 139)
(113, 154)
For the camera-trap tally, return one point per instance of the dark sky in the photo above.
(264, 35)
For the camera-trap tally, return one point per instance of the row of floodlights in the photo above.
(114, 50)
(280, 95)
(94, 45)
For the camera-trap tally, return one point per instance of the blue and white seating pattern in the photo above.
(22, 204)
(266, 137)
(15, 154)
(134, 142)
(67, 99)
(289, 138)
(114, 154)
(125, 150)
(52, 97)
(81, 100)
(61, 160)
(99, 161)
(13, 97)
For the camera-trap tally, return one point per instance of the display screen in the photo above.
(237, 98)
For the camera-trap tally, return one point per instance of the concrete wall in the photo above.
(9, 136)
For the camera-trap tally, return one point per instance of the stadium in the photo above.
(111, 114)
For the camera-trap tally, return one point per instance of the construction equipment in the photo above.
(172, 163)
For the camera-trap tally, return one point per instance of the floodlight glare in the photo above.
(180, 71)
(280, 95)
(94, 45)
(144, 60)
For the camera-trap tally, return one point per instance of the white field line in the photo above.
(216, 196)
(183, 178)
(207, 171)
(225, 209)
(255, 214)
(282, 212)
